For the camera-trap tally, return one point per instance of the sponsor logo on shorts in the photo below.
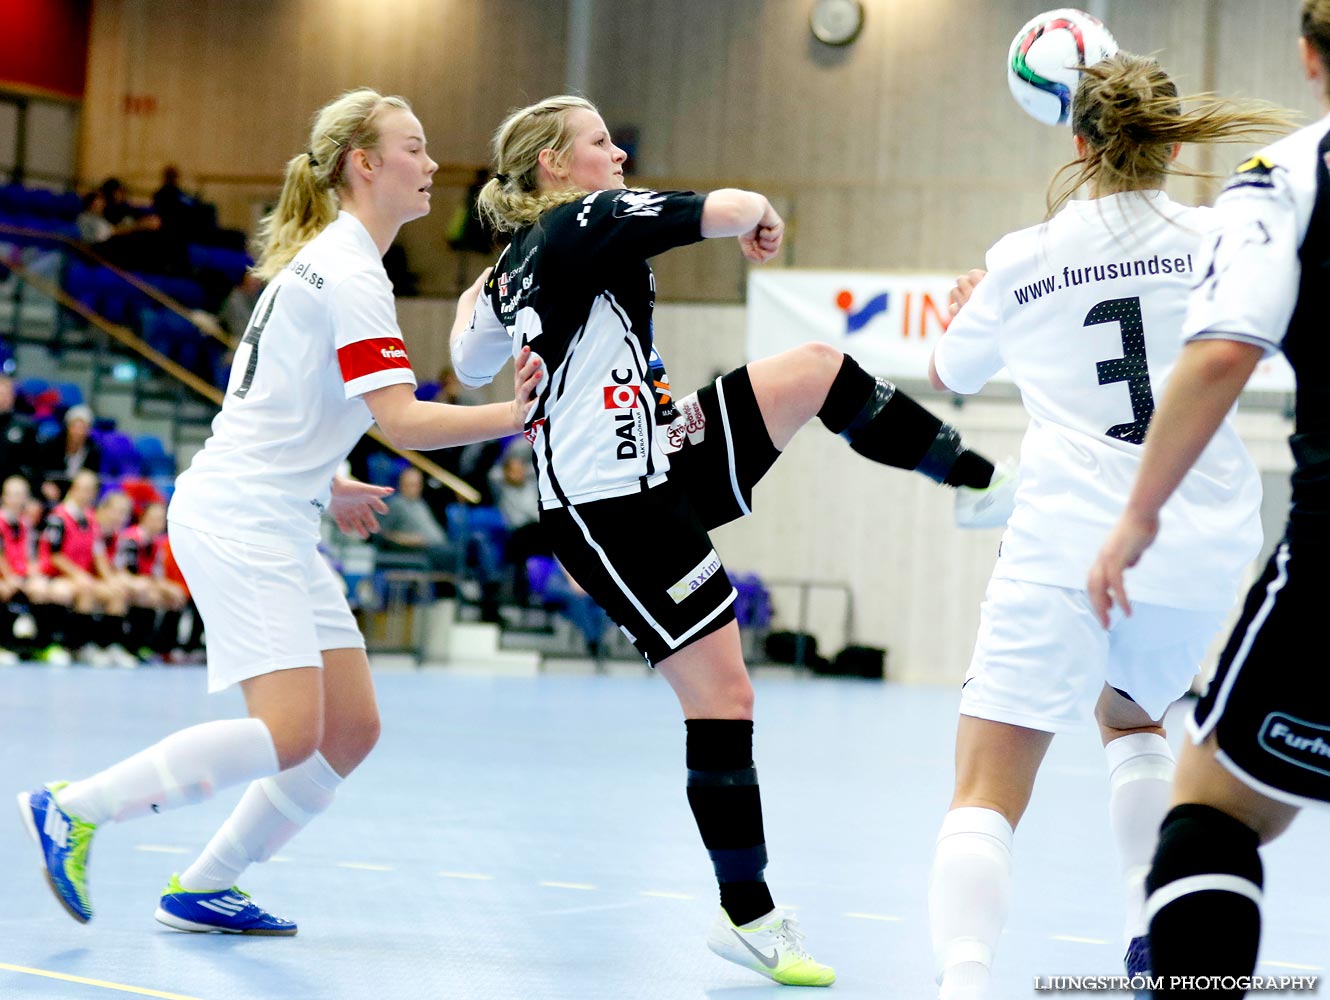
(1305, 744)
(697, 576)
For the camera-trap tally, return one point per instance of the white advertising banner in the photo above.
(888, 321)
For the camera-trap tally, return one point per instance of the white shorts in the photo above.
(264, 609)
(1041, 658)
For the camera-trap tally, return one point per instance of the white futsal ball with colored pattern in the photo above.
(1041, 66)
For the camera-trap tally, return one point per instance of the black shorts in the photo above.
(1269, 701)
(725, 448)
(646, 558)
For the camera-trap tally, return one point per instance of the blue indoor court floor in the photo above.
(529, 839)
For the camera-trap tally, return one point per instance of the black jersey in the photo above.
(576, 287)
(1266, 281)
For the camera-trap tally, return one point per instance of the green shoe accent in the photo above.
(80, 844)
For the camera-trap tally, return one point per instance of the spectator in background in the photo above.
(239, 303)
(139, 561)
(518, 500)
(92, 222)
(64, 455)
(177, 210)
(27, 594)
(70, 550)
(410, 525)
(116, 208)
(18, 438)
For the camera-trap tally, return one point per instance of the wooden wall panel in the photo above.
(236, 83)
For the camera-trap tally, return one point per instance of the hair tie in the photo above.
(312, 162)
(501, 178)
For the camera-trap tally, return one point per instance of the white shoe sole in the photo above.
(170, 920)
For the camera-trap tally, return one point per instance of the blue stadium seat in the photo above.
(155, 459)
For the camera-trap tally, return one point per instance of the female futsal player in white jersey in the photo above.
(1084, 312)
(1258, 734)
(321, 360)
(632, 478)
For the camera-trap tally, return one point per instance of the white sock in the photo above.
(271, 812)
(968, 896)
(188, 766)
(1140, 775)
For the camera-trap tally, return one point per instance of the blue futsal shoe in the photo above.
(217, 911)
(65, 842)
(1137, 961)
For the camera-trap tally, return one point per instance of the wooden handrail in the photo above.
(129, 339)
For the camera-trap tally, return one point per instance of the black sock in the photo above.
(139, 627)
(1205, 922)
(723, 794)
(167, 635)
(887, 426)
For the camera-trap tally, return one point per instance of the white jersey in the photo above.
(323, 332)
(1086, 313)
(1265, 283)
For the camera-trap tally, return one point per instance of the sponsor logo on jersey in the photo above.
(1305, 744)
(643, 204)
(1256, 172)
(585, 212)
(695, 577)
(622, 397)
(301, 270)
(532, 430)
(367, 357)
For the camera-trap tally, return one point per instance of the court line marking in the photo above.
(1292, 965)
(362, 867)
(1075, 940)
(100, 983)
(666, 895)
(467, 875)
(569, 885)
(876, 916)
(160, 849)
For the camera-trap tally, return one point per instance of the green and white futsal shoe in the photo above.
(772, 946)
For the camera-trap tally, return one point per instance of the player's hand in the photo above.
(963, 289)
(354, 505)
(1127, 542)
(527, 372)
(762, 242)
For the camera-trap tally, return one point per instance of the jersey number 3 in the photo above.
(1131, 368)
(251, 339)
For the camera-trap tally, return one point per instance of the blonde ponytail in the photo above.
(309, 200)
(1128, 111)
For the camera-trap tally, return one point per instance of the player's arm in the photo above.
(412, 423)
(747, 215)
(67, 567)
(479, 344)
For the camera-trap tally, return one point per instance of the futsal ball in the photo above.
(1041, 66)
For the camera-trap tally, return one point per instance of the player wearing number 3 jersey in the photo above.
(321, 361)
(1085, 312)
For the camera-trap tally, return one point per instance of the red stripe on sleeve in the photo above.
(365, 357)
